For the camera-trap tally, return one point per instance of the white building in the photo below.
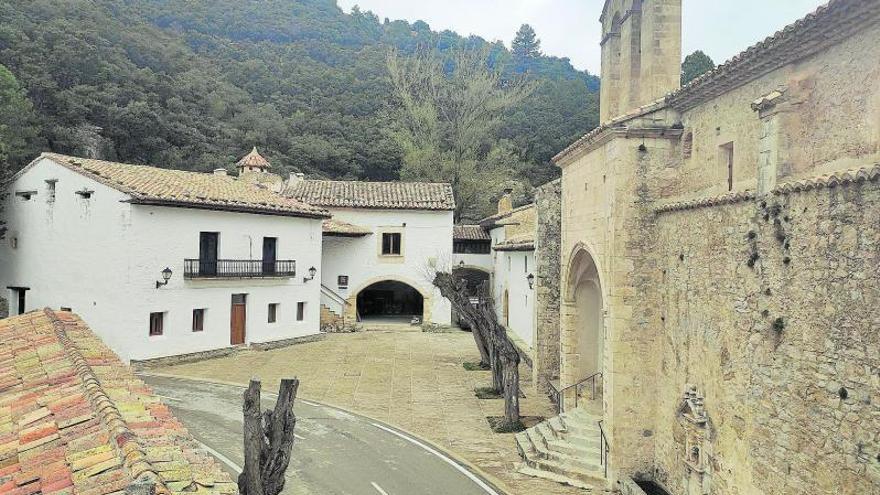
(95, 236)
(378, 247)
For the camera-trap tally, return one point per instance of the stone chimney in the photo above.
(505, 204)
(296, 177)
(220, 171)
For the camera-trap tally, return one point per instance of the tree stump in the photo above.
(268, 439)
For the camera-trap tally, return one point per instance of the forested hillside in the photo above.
(194, 84)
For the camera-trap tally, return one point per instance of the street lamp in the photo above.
(531, 280)
(312, 272)
(166, 275)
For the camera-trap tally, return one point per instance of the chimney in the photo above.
(220, 171)
(296, 177)
(505, 204)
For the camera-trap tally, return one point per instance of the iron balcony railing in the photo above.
(194, 268)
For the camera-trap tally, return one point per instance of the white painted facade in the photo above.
(426, 240)
(514, 300)
(101, 257)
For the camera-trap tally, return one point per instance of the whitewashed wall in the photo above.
(101, 257)
(483, 261)
(427, 236)
(510, 272)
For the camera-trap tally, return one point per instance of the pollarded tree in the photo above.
(695, 65)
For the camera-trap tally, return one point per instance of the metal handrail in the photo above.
(560, 393)
(330, 292)
(604, 448)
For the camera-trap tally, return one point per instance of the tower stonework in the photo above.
(641, 53)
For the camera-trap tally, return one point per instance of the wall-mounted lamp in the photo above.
(166, 275)
(312, 272)
(531, 280)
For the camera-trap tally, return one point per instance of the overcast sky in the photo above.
(570, 28)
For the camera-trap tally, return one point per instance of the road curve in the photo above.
(334, 453)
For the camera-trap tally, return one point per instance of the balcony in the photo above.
(194, 269)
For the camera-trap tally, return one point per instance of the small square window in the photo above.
(157, 321)
(300, 311)
(50, 190)
(198, 320)
(391, 243)
(342, 281)
(273, 312)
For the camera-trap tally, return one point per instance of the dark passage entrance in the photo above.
(389, 300)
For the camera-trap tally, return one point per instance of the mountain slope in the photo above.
(192, 85)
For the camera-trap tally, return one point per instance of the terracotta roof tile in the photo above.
(338, 228)
(160, 186)
(254, 159)
(384, 195)
(470, 233)
(73, 418)
(516, 243)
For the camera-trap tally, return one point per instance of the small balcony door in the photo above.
(270, 246)
(208, 243)
(238, 319)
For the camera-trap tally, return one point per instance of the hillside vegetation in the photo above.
(194, 84)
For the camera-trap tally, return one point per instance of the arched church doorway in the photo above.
(389, 301)
(585, 322)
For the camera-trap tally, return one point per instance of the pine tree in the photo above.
(695, 65)
(525, 47)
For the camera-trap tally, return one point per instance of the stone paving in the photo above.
(408, 379)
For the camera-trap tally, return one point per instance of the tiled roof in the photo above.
(383, 195)
(338, 228)
(470, 233)
(827, 25)
(75, 420)
(253, 159)
(517, 243)
(493, 220)
(159, 186)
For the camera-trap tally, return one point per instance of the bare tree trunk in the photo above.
(268, 440)
(510, 367)
(482, 345)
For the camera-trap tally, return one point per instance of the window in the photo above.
(25, 195)
(273, 312)
(342, 281)
(472, 247)
(509, 262)
(156, 323)
(300, 311)
(391, 244)
(50, 190)
(85, 193)
(726, 158)
(198, 320)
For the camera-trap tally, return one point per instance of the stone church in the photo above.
(720, 261)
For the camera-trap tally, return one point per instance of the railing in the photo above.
(558, 395)
(604, 448)
(194, 268)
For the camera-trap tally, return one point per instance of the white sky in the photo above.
(570, 28)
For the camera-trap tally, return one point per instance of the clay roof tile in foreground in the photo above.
(74, 419)
(337, 228)
(381, 195)
(470, 233)
(167, 187)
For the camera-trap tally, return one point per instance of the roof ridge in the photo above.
(357, 181)
(129, 451)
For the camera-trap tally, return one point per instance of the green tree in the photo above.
(446, 122)
(525, 48)
(695, 65)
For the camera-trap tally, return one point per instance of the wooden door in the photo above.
(238, 319)
(269, 254)
(208, 244)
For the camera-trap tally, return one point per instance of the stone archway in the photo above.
(583, 320)
(354, 302)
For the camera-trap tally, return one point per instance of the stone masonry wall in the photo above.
(770, 308)
(548, 245)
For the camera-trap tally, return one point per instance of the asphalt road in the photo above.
(334, 452)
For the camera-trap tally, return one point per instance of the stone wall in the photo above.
(769, 307)
(548, 244)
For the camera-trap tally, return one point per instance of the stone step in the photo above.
(565, 480)
(583, 472)
(584, 450)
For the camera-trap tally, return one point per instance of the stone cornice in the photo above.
(844, 178)
(826, 26)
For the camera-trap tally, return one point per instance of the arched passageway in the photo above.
(389, 300)
(584, 321)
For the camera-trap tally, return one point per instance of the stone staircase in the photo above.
(565, 448)
(329, 317)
